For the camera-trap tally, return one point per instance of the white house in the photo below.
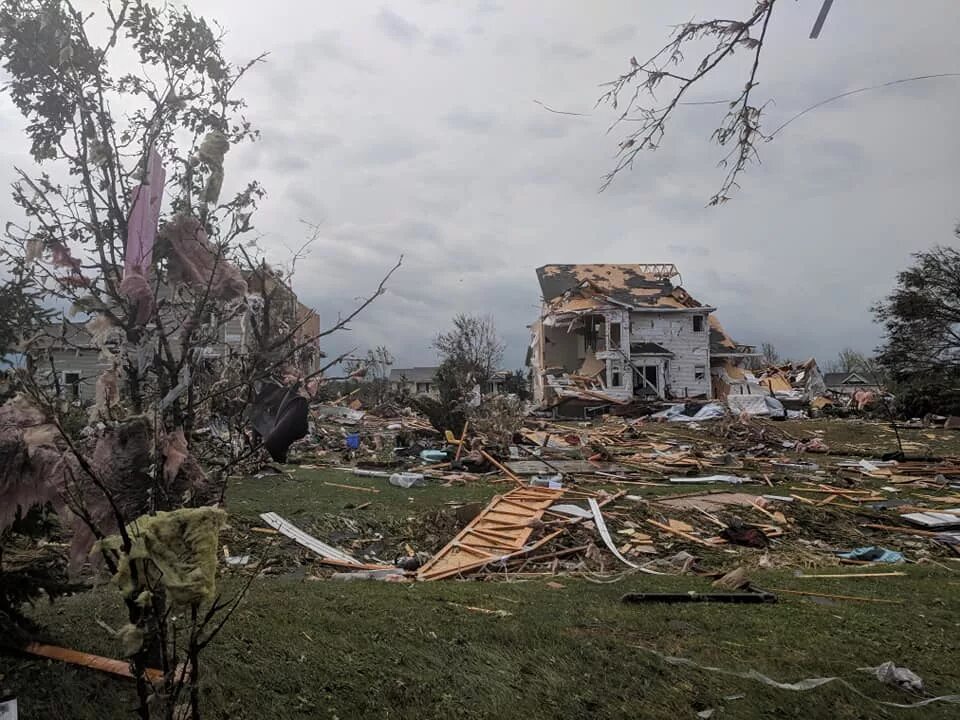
(415, 381)
(610, 333)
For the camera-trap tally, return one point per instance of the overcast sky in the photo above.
(412, 128)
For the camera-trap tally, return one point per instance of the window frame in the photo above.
(67, 386)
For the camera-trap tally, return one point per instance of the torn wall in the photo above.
(616, 333)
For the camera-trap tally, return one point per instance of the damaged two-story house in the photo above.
(610, 333)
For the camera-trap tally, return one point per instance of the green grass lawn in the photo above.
(302, 647)
(357, 650)
(306, 494)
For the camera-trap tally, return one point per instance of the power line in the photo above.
(861, 90)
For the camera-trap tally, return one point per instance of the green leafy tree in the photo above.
(95, 133)
(517, 383)
(471, 352)
(921, 317)
(921, 321)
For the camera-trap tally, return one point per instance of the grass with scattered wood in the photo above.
(552, 647)
(316, 649)
(306, 493)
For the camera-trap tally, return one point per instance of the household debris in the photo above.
(811, 513)
(328, 555)
(500, 531)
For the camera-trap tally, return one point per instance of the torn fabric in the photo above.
(136, 289)
(279, 417)
(144, 216)
(195, 261)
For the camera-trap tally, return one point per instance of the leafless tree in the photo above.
(473, 344)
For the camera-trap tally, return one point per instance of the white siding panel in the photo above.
(674, 332)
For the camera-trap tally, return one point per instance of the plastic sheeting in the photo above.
(279, 416)
(799, 686)
(756, 405)
(675, 413)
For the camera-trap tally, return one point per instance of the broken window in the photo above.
(71, 385)
(646, 380)
(594, 333)
(616, 375)
(699, 373)
(698, 323)
(615, 335)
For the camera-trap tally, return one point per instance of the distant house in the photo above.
(498, 382)
(614, 332)
(849, 383)
(67, 358)
(415, 381)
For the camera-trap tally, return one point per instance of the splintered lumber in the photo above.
(680, 533)
(895, 573)
(328, 555)
(352, 487)
(463, 438)
(838, 597)
(490, 459)
(95, 662)
(494, 534)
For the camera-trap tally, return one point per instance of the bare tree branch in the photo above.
(742, 121)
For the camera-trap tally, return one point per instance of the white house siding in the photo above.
(86, 362)
(616, 356)
(674, 331)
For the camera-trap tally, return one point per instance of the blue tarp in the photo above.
(873, 554)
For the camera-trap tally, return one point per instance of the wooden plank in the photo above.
(120, 668)
(493, 461)
(900, 529)
(463, 438)
(836, 597)
(352, 487)
(680, 533)
(895, 573)
(496, 537)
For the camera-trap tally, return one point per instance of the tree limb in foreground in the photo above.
(740, 127)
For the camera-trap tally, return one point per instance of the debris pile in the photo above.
(635, 495)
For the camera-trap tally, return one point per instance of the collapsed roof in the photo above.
(581, 288)
(635, 285)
